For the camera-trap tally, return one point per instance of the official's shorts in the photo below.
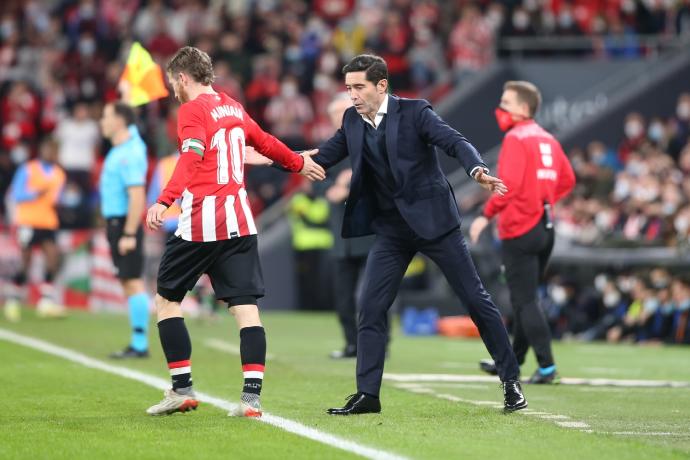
(232, 266)
(130, 265)
(29, 236)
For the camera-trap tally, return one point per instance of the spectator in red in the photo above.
(392, 44)
(288, 113)
(635, 131)
(471, 43)
(263, 87)
(19, 113)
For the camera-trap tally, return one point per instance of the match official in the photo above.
(123, 200)
(537, 173)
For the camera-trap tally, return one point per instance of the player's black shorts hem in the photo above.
(131, 265)
(30, 236)
(232, 266)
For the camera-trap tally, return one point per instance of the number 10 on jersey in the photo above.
(235, 140)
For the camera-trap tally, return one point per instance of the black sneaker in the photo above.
(488, 366)
(513, 399)
(129, 352)
(349, 351)
(551, 378)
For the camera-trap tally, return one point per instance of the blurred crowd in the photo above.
(636, 193)
(644, 307)
(60, 60)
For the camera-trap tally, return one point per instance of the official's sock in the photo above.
(253, 355)
(547, 370)
(178, 350)
(139, 320)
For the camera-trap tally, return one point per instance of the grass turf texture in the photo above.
(57, 409)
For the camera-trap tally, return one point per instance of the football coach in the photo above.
(399, 193)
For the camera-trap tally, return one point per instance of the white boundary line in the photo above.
(435, 378)
(162, 384)
(560, 420)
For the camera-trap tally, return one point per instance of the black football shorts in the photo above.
(232, 265)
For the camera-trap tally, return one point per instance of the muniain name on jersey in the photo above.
(226, 111)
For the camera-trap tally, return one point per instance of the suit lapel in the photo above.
(392, 123)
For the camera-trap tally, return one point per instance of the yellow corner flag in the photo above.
(142, 80)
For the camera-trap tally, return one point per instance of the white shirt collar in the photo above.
(383, 109)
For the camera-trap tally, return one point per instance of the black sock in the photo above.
(178, 349)
(253, 355)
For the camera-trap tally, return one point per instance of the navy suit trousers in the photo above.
(388, 259)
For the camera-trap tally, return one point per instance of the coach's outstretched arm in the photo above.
(333, 151)
(438, 132)
(272, 148)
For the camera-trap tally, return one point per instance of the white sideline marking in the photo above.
(163, 384)
(572, 424)
(429, 378)
(558, 419)
(227, 347)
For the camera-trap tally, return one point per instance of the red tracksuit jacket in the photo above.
(536, 171)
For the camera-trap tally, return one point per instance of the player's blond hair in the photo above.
(194, 62)
(527, 93)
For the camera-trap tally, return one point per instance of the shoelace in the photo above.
(351, 396)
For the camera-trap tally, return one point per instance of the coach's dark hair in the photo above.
(194, 62)
(527, 93)
(375, 67)
(125, 111)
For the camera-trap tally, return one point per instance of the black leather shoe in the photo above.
(513, 399)
(358, 403)
(129, 352)
(541, 379)
(488, 366)
(349, 351)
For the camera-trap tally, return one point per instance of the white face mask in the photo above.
(656, 132)
(520, 20)
(558, 295)
(19, 154)
(633, 129)
(600, 282)
(289, 89)
(611, 299)
(681, 225)
(683, 111)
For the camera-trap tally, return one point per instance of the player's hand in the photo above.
(477, 227)
(126, 244)
(154, 217)
(311, 170)
(491, 183)
(252, 157)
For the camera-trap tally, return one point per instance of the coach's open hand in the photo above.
(154, 218)
(491, 183)
(311, 170)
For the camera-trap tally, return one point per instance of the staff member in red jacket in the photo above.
(538, 174)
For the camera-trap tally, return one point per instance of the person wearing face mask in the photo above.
(538, 174)
(634, 131)
(35, 190)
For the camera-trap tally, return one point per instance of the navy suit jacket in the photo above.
(423, 195)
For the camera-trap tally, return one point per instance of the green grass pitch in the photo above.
(57, 409)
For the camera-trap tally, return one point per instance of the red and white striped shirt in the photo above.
(209, 176)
